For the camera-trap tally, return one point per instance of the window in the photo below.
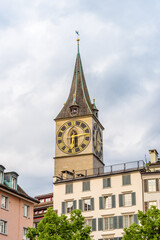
(127, 200)
(24, 233)
(41, 200)
(86, 186)
(69, 188)
(106, 182)
(47, 199)
(108, 202)
(14, 183)
(40, 212)
(3, 226)
(74, 110)
(4, 202)
(108, 223)
(88, 222)
(152, 185)
(69, 206)
(153, 203)
(87, 204)
(1, 176)
(127, 220)
(126, 179)
(26, 211)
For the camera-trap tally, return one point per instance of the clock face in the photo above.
(73, 137)
(97, 141)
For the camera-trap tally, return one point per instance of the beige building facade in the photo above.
(109, 201)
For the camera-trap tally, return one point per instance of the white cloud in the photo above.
(119, 44)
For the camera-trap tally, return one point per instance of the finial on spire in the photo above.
(77, 32)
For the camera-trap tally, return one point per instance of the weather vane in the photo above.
(77, 32)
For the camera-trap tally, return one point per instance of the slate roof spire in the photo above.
(78, 98)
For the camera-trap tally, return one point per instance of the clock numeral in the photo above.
(85, 142)
(73, 123)
(83, 125)
(61, 145)
(80, 148)
(73, 150)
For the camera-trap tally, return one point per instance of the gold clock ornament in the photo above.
(73, 137)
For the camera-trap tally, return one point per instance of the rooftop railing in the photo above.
(107, 170)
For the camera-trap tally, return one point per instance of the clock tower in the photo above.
(79, 137)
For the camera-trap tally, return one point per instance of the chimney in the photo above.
(153, 155)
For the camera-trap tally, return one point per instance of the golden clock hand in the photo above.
(72, 143)
(98, 140)
(79, 135)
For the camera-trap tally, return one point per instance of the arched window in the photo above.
(74, 139)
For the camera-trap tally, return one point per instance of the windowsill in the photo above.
(69, 193)
(106, 187)
(152, 192)
(26, 217)
(128, 206)
(6, 234)
(87, 211)
(6, 209)
(126, 185)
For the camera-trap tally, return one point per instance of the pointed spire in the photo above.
(78, 97)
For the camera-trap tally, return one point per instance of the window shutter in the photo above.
(145, 185)
(100, 224)
(113, 201)
(128, 179)
(115, 222)
(106, 182)
(133, 198)
(92, 203)
(157, 184)
(120, 221)
(120, 200)
(86, 186)
(81, 204)
(94, 224)
(123, 180)
(63, 207)
(135, 218)
(101, 203)
(146, 206)
(74, 204)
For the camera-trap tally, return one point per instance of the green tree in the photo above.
(149, 228)
(54, 227)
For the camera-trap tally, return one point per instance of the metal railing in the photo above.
(116, 168)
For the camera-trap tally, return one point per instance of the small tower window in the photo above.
(74, 110)
(74, 139)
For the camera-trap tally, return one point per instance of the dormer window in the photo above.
(14, 183)
(74, 110)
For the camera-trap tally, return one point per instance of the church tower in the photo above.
(79, 137)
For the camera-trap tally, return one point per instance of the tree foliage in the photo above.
(54, 227)
(149, 228)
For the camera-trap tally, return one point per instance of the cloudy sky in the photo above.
(120, 51)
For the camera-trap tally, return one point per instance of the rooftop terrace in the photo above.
(107, 170)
